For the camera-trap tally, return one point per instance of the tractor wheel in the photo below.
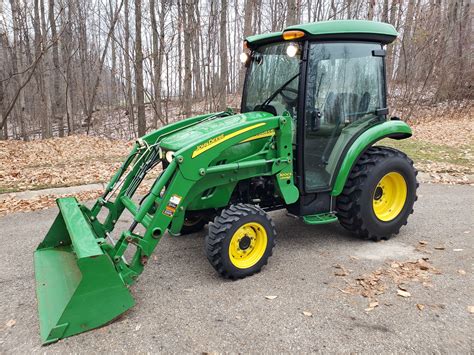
(379, 194)
(240, 241)
(193, 222)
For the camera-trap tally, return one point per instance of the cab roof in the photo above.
(333, 30)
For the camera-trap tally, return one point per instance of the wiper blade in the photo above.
(280, 89)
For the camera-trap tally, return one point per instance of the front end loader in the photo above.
(313, 106)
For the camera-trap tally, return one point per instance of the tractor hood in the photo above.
(195, 133)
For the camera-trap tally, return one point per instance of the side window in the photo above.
(345, 88)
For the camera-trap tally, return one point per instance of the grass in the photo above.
(427, 152)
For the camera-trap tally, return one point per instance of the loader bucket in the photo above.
(77, 286)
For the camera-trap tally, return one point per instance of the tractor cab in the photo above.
(330, 77)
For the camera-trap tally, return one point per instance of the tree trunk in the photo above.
(163, 10)
(187, 104)
(385, 11)
(140, 96)
(223, 55)
(128, 70)
(370, 14)
(46, 130)
(291, 17)
(156, 73)
(56, 104)
(196, 33)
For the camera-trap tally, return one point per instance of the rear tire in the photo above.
(240, 241)
(193, 222)
(379, 194)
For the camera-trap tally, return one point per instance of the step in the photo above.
(320, 218)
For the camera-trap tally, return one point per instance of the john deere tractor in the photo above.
(314, 104)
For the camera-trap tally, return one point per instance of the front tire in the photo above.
(240, 241)
(379, 194)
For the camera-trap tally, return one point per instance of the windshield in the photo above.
(270, 68)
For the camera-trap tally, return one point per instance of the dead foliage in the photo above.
(68, 161)
(451, 126)
(10, 203)
(394, 273)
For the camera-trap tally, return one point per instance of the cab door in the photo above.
(345, 95)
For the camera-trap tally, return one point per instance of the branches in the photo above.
(182, 57)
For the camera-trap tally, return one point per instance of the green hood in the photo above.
(195, 133)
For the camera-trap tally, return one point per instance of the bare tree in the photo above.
(83, 65)
(223, 56)
(187, 79)
(140, 96)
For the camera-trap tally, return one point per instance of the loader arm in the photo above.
(190, 165)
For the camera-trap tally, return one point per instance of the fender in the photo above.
(392, 129)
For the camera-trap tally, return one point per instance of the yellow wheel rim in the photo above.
(389, 196)
(248, 244)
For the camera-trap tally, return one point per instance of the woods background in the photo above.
(121, 67)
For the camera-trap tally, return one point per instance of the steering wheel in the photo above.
(289, 100)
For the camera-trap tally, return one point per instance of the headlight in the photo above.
(292, 50)
(169, 156)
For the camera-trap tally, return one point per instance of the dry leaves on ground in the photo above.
(403, 293)
(11, 323)
(270, 297)
(341, 270)
(398, 273)
(453, 128)
(11, 204)
(74, 160)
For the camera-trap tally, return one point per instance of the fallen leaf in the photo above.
(402, 287)
(420, 306)
(10, 323)
(423, 242)
(423, 265)
(462, 272)
(470, 309)
(374, 304)
(341, 270)
(439, 247)
(270, 297)
(307, 314)
(403, 293)
(344, 291)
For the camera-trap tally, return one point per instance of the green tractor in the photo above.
(313, 105)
